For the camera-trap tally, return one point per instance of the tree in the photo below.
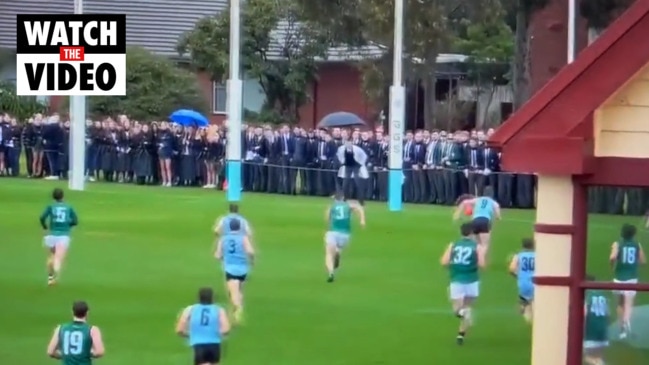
(155, 87)
(523, 11)
(280, 48)
(490, 48)
(430, 27)
(20, 107)
(601, 13)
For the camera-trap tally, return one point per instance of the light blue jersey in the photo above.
(225, 225)
(483, 208)
(525, 274)
(235, 257)
(204, 325)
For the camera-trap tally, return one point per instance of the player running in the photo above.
(222, 225)
(626, 255)
(76, 342)
(484, 209)
(62, 218)
(464, 258)
(237, 255)
(205, 324)
(522, 268)
(339, 217)
(595, 326)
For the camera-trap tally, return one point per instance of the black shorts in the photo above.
(229, 277)
(207, 353)
(481, 225)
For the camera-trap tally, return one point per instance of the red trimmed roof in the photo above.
(582, 86)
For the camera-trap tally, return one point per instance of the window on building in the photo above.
(219, 96)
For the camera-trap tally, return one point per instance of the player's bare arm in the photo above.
(218, 252)
(53, 346)
(98, 349)
(446, 257)
(224, 322)
(482, 261)
(513, 266)
(250, 250)
(643, 258)
(360, 211)
(462, 207)
(614, 252)
(497, 211)
(183, 320)
(218, 225)
(326, 214)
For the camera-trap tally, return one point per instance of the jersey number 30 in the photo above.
(72, 343)
(462, 255)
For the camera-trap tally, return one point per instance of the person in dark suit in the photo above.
(287, 150)
(419, 188)
(475, 164)
(433, 169)
(408, 152)
(298, 162)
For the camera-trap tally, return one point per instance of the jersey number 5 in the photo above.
(60, 215)
(72, 343)
(205, 317)
(461, 255)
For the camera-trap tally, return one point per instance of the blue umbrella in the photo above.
(188, 117)
(340, 119)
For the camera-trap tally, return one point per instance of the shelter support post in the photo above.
(553, 235)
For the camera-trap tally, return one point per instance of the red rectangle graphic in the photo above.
(71, 54)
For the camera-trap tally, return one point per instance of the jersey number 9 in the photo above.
(72, 343)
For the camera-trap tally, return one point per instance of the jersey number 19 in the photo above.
(72, 343)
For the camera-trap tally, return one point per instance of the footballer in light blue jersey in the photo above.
(222, 225)
(483, 210)
(204, 324)
(522, 267)
(236, 253)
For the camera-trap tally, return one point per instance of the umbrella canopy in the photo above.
(340, 119)
(188, 117)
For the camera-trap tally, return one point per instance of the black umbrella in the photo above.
(340, 119)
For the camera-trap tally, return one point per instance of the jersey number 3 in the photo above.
(72, 343)
(339, 212)
(462, 255)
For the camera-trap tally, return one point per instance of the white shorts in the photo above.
(626, 293)
(54, 241)
(337, 239)
(458, 291)
(593, 345)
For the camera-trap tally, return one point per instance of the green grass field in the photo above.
(140, 254)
